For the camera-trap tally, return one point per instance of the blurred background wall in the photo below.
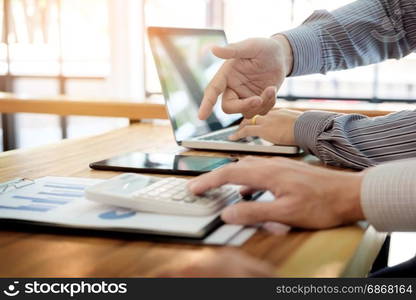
(98, 49)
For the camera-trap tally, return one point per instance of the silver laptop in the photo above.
(185, 66)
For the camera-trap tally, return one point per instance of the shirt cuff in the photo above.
(309, 126)
(306, 49)
(388, 196)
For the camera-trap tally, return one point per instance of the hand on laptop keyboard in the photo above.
(223, 136)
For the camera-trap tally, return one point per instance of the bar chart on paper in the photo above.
(57, 199)
(60, 202)
(43, 196)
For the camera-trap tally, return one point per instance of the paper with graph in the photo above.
(61, 201)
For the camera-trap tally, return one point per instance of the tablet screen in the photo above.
(162, 163)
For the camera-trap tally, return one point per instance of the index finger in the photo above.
(246, 131)
(214, 89)
(238, 173)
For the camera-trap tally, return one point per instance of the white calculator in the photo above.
(160, 195)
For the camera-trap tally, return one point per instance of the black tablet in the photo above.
(162, 163)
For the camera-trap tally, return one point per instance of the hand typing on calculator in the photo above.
(160, 195)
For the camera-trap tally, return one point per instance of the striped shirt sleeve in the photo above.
(388, 196)
(357, 141)
(361, 33)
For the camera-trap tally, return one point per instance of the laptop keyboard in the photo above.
(223, 136)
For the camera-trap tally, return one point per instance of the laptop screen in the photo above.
(185, 66)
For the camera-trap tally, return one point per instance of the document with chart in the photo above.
(60, 201)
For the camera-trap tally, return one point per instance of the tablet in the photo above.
(162, 163)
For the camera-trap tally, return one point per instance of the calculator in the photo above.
(160, 195)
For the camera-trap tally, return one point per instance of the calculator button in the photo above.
(157, 184)
(177, 189)
(166, 195)
(204, 201)
(181, 194)
(180, 179)
(143, 190)
(138, 193)
(176, 198)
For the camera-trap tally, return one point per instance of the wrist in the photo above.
(289, 117)
(348, 193)
(287, 52)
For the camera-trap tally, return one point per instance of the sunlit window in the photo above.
(55, 47)
(68, 37)
(253, 18)
(99, 49)
(182, 13)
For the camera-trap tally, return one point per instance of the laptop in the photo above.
(185, 66)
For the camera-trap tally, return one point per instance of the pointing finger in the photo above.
(214, 89)
(269, 99)
(231, 104)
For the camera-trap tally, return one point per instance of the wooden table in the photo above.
(347, 251)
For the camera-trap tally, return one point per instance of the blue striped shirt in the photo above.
(362, 33)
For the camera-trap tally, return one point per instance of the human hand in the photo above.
(277, 127)
(306, 196)
(224, 263)
(248, 79)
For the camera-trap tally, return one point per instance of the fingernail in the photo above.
(256, 102)
(276, 228)
(232, 137)
(229, 215)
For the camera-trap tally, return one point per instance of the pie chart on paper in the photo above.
(116, 214)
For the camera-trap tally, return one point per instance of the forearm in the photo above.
(357, 141)
(388, 196)
(361, 33)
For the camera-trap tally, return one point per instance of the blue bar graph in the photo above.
(77, 195)
(51, 195)
(36, 208)
(41, 200)
(65, 186)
